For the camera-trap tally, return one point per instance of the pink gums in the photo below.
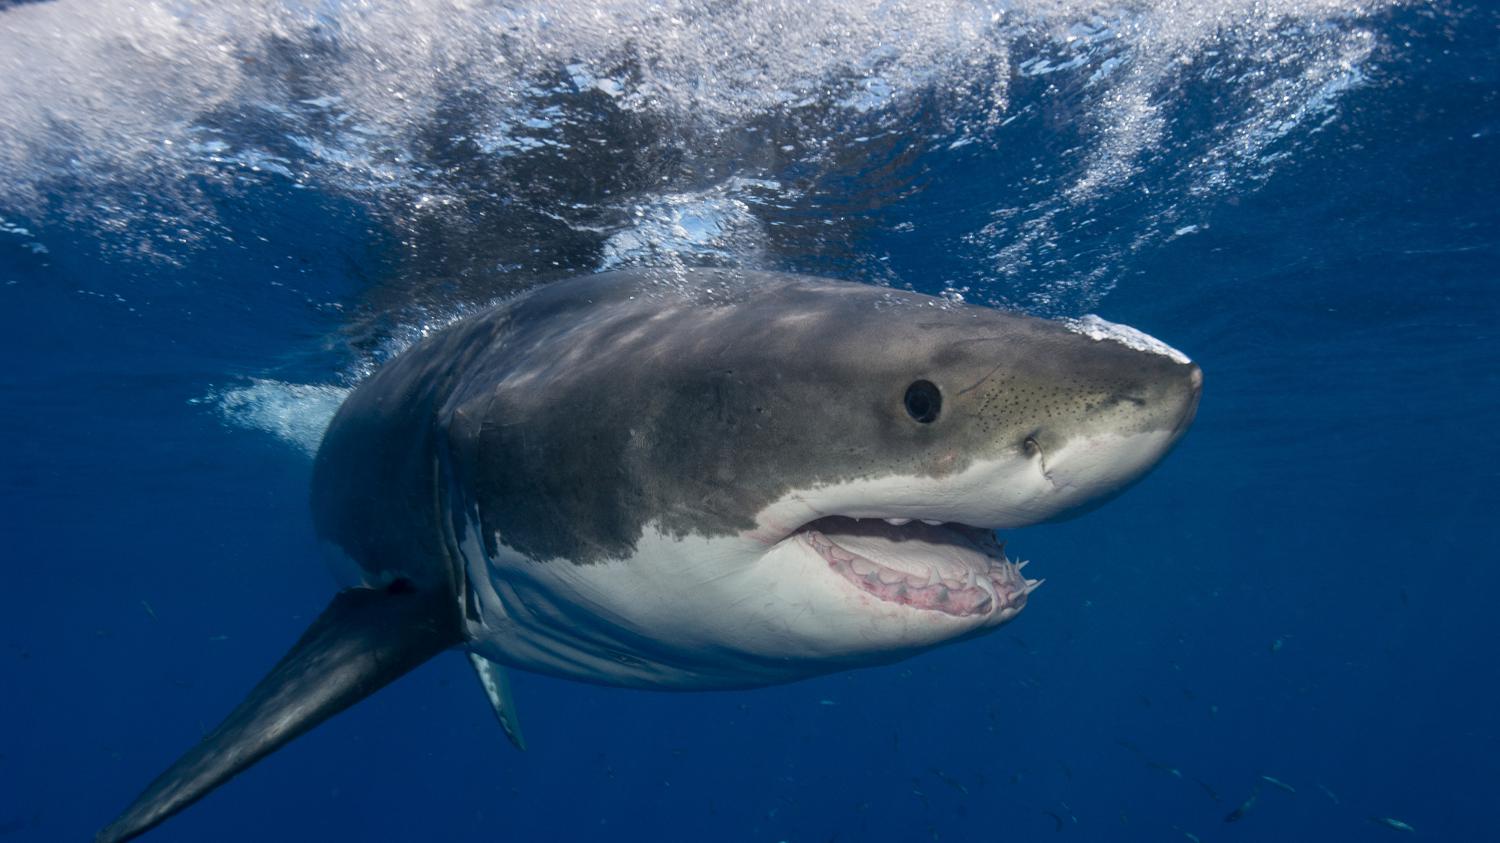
(951, 597)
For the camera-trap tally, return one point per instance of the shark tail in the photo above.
(363, 641)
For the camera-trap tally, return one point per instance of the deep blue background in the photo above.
(1305, 589)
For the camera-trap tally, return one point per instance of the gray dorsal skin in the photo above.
(365, 639)
(496, 684)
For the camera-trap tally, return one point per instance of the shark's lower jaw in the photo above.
(953, 569)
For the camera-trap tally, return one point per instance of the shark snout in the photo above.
(1184, 399)
(1115, 435)
(1190, 408)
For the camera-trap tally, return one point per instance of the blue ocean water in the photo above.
(208, 209)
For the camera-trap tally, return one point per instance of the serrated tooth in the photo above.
(1021, 566)
(929, 522)
(1033, 585)
(973, 580)
(898, 522)
(932, 578)
(862, 566)
(989, 589)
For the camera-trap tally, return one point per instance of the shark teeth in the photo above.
(898, 522)
(979, 591)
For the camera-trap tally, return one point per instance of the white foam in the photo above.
(714, 224)
(1097, 328)
(295, 413)
(179, 100)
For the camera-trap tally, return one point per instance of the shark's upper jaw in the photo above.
(950, 568)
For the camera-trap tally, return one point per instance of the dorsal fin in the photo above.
(496, 684)
(364, 640)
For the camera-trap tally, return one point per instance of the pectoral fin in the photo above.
(364, 640)
(496, 685)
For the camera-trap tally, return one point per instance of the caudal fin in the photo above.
(363, 641)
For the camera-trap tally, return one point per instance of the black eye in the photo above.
(923, 402)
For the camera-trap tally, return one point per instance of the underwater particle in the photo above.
(150, 611)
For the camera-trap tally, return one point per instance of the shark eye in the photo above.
(923, 402)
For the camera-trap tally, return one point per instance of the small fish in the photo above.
(150, 611)
(827, 702)
(1055, 818)
(1274, 782)
(950, 781)
(1392, 823)
(1164, 767)
(1244, 808)
(1330, 794)
(1207, 788)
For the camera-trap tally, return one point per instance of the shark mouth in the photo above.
(950, 568)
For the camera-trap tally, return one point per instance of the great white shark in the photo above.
(694, 479)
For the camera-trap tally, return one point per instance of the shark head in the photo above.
(752, 477)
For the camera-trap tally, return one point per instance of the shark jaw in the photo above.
(950, 568)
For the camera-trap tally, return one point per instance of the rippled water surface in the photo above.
(217, 217)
